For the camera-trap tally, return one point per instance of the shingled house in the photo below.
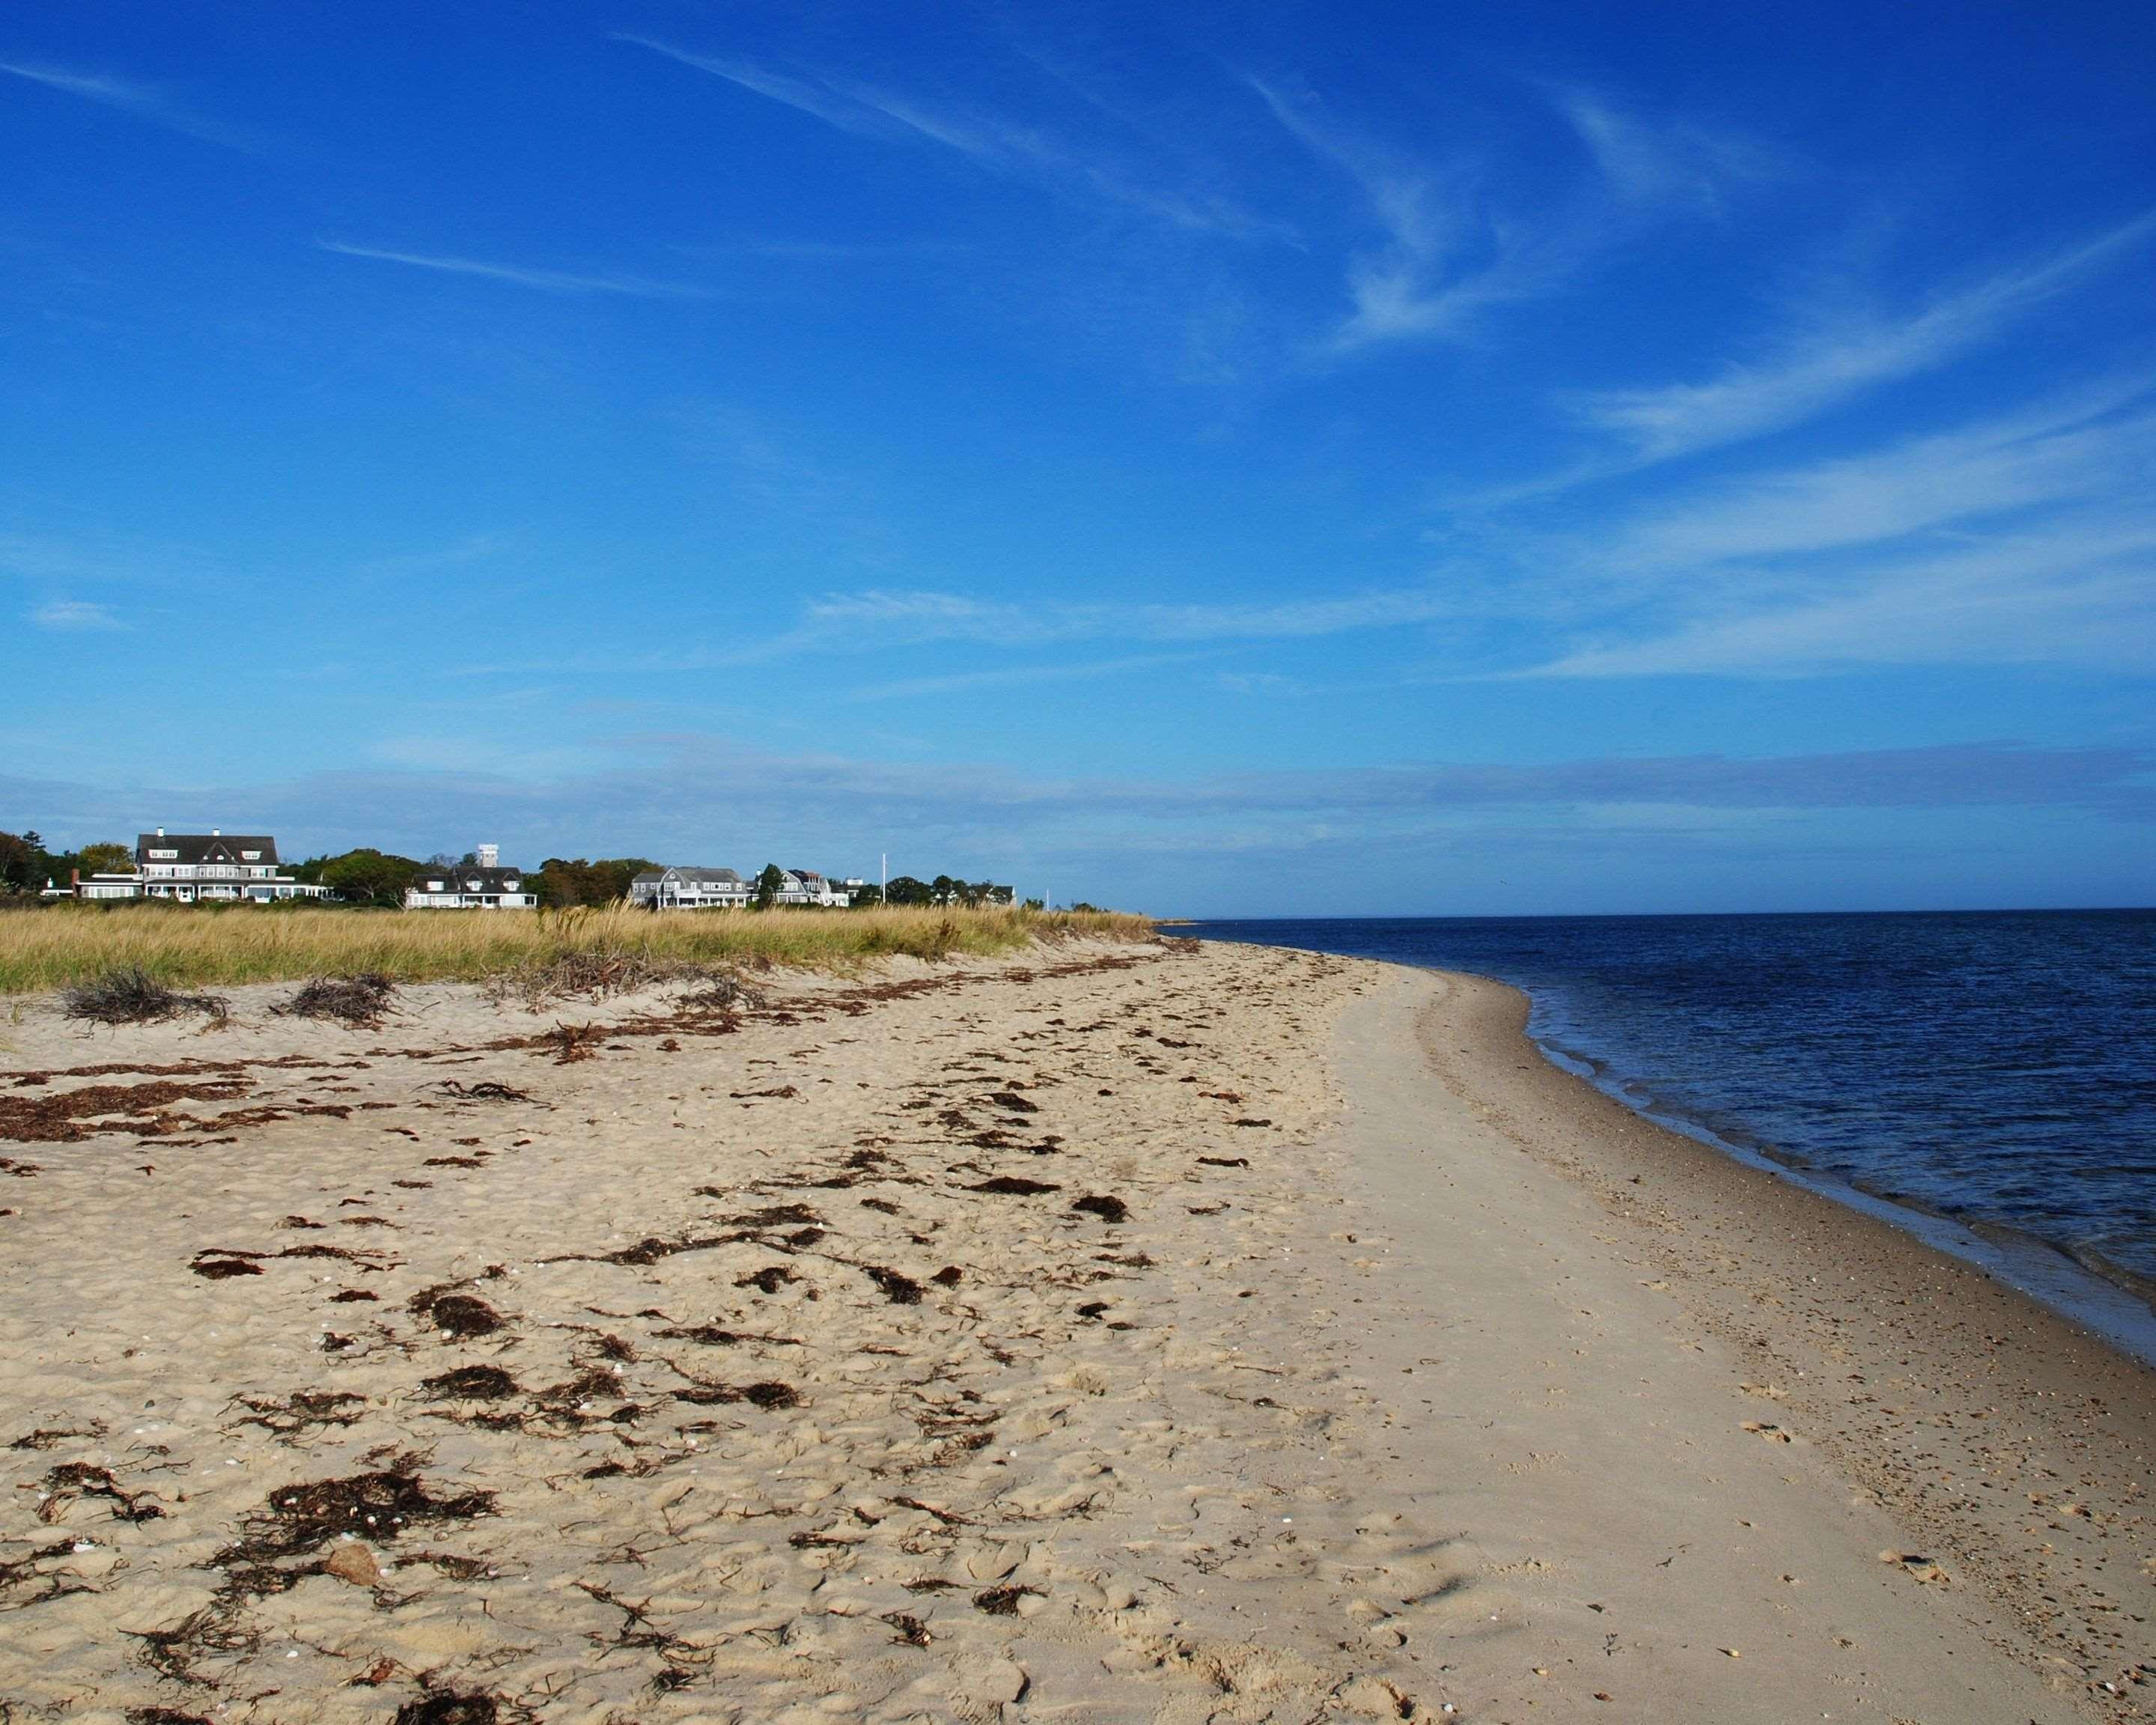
(202, 868)
(690, 888)
(484, 884)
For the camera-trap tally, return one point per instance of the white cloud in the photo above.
(2078, 448)
(1018, 675)
(1673, 163)
(1836, 359)
(140, 100)
(553, 281)
(75, 614)
(924, 616)
(868, 110)
(1450, 255)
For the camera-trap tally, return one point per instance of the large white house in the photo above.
(690, 888)
(805, 886)
(481, 886)
(201, 868)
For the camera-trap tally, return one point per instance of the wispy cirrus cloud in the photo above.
(1017, 676)
(1451, 252)
(883, 617)
(1672, 163)
(997, 145)
(1838, 357)
(2027, 539)
(2084, 446)
(2079, 595)
(551, 281)
(142, 101)
(75, 614)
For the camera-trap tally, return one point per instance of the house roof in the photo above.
(461, 879)
(206, 847)
(689, 873)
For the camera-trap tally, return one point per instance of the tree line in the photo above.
(368, 876)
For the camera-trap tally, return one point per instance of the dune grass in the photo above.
(191, 947)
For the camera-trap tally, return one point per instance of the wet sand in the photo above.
(1157, 1332)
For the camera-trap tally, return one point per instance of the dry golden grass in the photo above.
(189, 947)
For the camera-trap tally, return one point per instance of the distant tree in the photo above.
(20, 862)
(104, 859)
(865, 896)
(560, 884)
(768, 886)
(1035, 904)
(368, 876)
(907, 891)
(941, 890)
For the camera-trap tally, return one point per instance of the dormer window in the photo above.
(434, 886)
(471, 886)
(251, 856)
(510, 884)
(165, 855)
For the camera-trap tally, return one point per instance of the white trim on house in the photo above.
(484, 885)
(201, 868)
(685, 887)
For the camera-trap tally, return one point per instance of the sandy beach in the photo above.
(1120, 1331)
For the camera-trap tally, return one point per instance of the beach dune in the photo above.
(1116, 1332)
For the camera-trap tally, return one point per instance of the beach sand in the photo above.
(1153, 1332)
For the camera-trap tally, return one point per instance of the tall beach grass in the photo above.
(190, 946)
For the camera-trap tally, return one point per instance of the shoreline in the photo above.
(2114, 1304)
(1171, 1333)
(1879, 1346)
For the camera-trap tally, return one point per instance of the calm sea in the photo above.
(1987, 1080)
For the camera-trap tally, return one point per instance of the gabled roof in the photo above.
(689, 873)
(461, 879)
(198, 848)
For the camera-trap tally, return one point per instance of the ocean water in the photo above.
(1987, 1080)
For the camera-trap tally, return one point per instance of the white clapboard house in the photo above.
(482, 886)
(688, 888)
(200, 869)
(805, 886)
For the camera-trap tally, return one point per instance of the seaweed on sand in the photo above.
(82, 1479)
(298, 1521)
(1014, 1186)
(471, 1383)
(459, 1315)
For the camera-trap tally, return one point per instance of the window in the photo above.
(509, 886)
(434, 886)
(165, 855)
(251, 856)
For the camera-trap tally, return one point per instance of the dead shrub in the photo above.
(359, 1001)
(131, 995)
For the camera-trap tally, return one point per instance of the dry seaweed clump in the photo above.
(131, 995)
(357, 1000)
(299, 1520)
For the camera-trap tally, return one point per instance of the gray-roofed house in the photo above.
(686, 887)
(204, 868)
(481, 886)
(805, 886)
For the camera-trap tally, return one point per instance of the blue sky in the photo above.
(1220, 460)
